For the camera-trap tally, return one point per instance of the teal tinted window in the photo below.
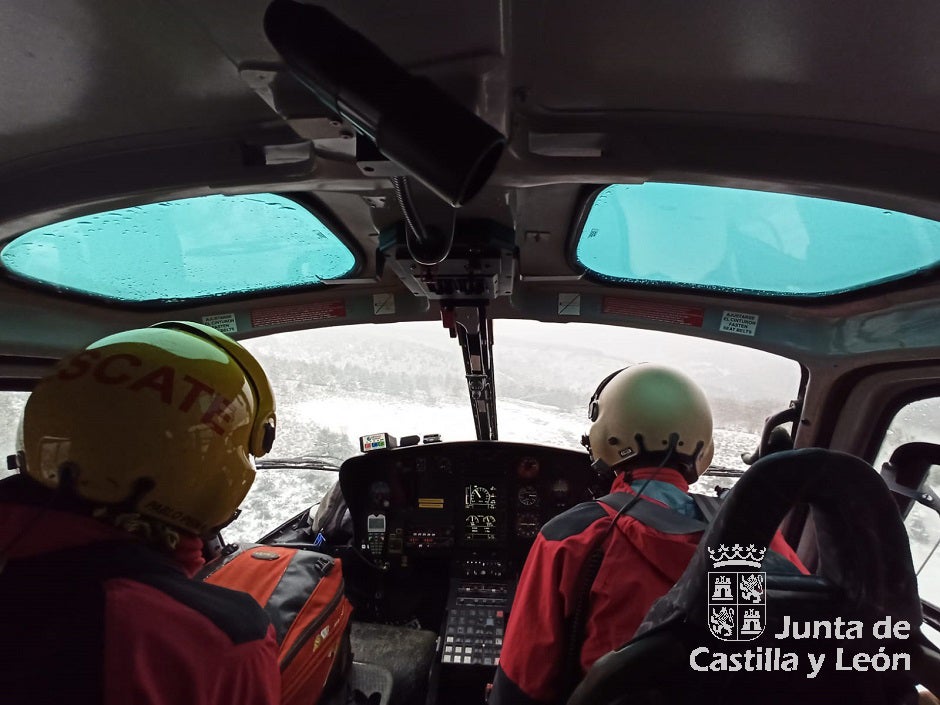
(749, 241)
(186, 249)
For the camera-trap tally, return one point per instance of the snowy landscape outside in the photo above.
(335, 384)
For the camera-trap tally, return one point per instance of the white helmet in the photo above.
(648, 410)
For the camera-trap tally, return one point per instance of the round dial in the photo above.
(528, 525)
(560, 489)
(479, 495)
(528, 468)
(528, 496)
(473, 520)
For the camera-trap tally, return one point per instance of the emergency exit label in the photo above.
(739, 323)
(223, 322)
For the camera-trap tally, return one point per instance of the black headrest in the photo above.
(863, 547)
(865, 574)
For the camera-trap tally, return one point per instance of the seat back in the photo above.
(865, 577)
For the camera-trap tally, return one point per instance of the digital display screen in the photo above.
(376, 522)
(480, 523)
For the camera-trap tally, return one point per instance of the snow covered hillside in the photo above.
(334, 385)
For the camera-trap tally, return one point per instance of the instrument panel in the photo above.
(477, 505)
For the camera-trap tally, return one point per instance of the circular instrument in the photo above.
(528, 525)
(528, 496)
(528, 468)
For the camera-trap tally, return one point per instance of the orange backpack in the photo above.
(302, 592)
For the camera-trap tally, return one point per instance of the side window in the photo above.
(919, 421)
(11, 409)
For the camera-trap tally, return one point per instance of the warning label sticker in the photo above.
(569, 304)
(739, 323)
(654, 311)
(279, 315)
(383, 304)
(222, 322)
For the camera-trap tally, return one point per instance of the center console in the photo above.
(476, 615)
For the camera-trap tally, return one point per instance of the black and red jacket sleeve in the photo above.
(531, 667)
(640, 565)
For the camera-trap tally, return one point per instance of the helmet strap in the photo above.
(128, 505)
(68, 474)
(605, 474)
(151, 531)
(123, 514)
(216, 529)
(680, 462)
(126, 516)
(691, 472)
(673, 440)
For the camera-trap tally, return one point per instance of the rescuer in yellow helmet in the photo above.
(130, 452)
(596, 569)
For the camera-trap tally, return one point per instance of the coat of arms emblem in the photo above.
(737, 603)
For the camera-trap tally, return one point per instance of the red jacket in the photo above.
(157, 650)
(640, 565)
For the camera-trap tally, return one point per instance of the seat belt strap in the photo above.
(708, 506)
(655, 516)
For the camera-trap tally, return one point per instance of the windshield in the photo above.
(334, 385)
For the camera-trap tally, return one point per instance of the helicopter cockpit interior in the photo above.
(764, 177)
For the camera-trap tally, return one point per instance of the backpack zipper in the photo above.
(305, 634)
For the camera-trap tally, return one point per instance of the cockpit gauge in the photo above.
(380, 493)
(528, 468)
(479, 495)
(560, 489)
(480, 499)
(528, 496)
(528, 525)
(480, 527)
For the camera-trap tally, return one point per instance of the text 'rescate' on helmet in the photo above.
(640, 411)
(164, 418)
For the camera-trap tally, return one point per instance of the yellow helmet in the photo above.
(161, 418)
(644, 410)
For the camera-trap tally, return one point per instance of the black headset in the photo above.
(593, 408)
